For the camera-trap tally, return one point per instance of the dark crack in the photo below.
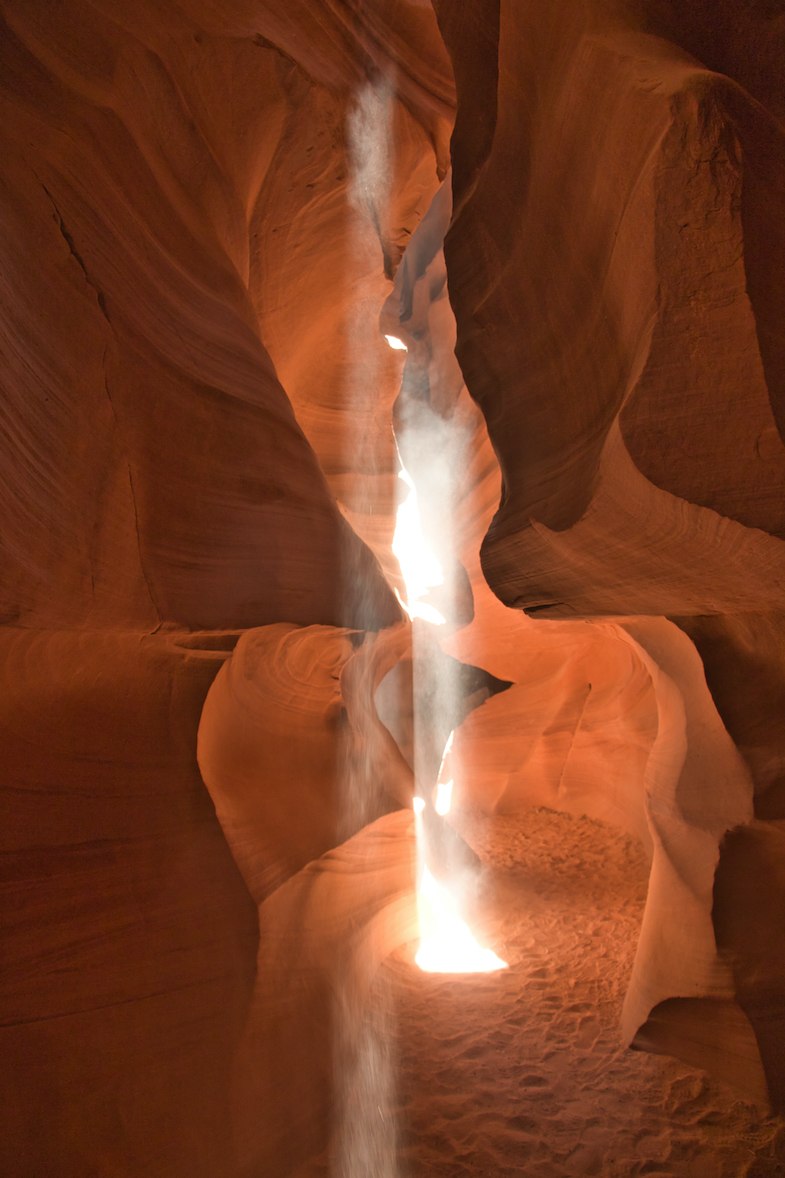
(69, 241)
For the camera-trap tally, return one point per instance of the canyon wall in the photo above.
(204, 209)
(183, 229)
(615, 264)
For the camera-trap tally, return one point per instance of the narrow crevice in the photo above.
(69, 241)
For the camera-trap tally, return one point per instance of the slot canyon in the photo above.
(393, 499)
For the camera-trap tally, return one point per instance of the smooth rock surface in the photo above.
(209, 210)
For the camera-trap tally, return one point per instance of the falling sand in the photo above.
(522, 1072)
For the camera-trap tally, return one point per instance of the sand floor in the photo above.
(522, 1072)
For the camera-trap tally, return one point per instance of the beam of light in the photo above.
(447, 944)
(443, 800)
(364, 1131)
(443, 796)
(421, 609)
(420, 567)
(445, 754)
(396, 344)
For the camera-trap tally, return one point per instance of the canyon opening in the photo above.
(393, 615)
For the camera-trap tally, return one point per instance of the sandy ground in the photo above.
(522, 1072)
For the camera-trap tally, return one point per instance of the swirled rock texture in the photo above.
(603, 263)
(151, 174)
(292, 750)
(188, 220)
(203, 207)
(128, 935)
(309, 1069)
(615, 263)
(605, 719)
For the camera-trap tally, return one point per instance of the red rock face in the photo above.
(156, 480)
(615, 308)
(205, 209)
(129, 937)
(136, 353)
(604, 324)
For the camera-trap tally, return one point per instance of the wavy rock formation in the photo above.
(129, 938)
(204, 207)
(151, 219)
(298, 1079)
(617, 322)
(156, 480)
(603, 719)
(604, 357)
(292, 750)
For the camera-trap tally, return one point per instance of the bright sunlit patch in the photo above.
(420, 609)
(396, 344)
(447, 944)
(445, 754)
(420, 567)
(443, 799)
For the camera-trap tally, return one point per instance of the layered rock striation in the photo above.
(177, 189)
(204, 210)
(617, 169)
